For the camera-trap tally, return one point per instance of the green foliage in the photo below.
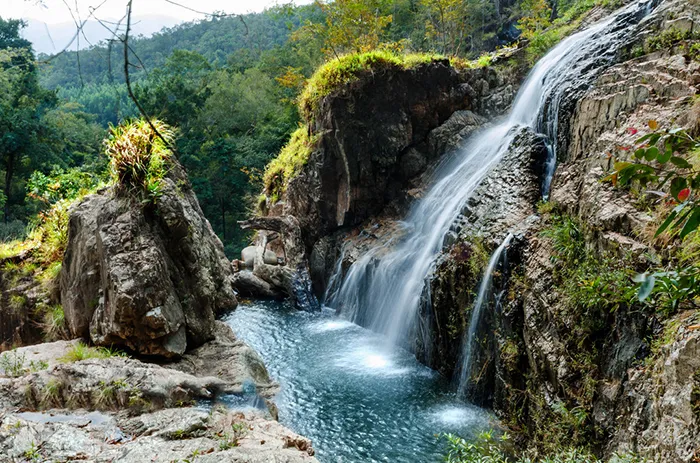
(32, 453)
(81, 351)
(60, 184)
(289, 163)
(666, 39)
(487, 449)
(231, 438)
(665, 160)
(17, 302)
(542, 32)
(590, 281)
(139, 152)
(348, 26)
(12, 364)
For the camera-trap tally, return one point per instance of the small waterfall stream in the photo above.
(481, 301)
(382, 290)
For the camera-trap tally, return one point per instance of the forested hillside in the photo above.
(229, 86)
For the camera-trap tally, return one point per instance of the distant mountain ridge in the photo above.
(217, 39)
(52, 38)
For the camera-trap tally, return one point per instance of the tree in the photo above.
(348, 26)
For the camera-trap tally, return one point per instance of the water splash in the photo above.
(467, 359)
(382, 290)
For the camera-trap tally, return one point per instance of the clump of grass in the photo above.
(12, 364)
(289, 163)
(54, 323)
(81, 351)
(17, 302)
(349, 68)
(51, 394)
(139, 156)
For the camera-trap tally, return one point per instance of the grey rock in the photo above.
(148, 278)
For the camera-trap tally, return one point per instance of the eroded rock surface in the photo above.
(149, 278)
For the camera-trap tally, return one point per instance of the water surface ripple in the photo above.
(358, 397)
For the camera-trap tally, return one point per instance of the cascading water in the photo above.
(382, 290)
(481, 301)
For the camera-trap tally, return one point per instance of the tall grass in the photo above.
(139, 156)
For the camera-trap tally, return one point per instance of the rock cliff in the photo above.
(562, 362)
(150, 278)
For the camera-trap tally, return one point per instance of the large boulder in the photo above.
(146, 277)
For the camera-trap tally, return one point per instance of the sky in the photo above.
(55, 11)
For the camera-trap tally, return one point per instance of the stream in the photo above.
(358, 397)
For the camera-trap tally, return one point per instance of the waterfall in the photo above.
(382, 290)
(481, 300)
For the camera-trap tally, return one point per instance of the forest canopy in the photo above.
(229, 84)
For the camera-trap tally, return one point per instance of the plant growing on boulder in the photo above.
(139, 156)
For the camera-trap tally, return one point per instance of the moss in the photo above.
(289, 163)
(349, 68)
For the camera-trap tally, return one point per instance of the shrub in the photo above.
(139, 156)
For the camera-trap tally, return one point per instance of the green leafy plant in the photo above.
(663, 158)
(230, 439)
(139, 156)
(12, 363)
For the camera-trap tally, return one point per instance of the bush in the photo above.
(139, 156)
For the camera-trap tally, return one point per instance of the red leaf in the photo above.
(623, 148)
(632, 130)
(683, 194)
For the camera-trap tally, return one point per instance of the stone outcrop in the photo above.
(148, 278)
(121, 409)
(182, 434)
(637, 397)
(374, 140)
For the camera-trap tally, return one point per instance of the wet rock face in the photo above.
(148, 278)
(503, 203)
(374, 139)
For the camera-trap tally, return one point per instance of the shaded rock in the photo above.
(149, 278)
(367, 131)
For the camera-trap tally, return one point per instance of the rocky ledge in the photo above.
(119, 409)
